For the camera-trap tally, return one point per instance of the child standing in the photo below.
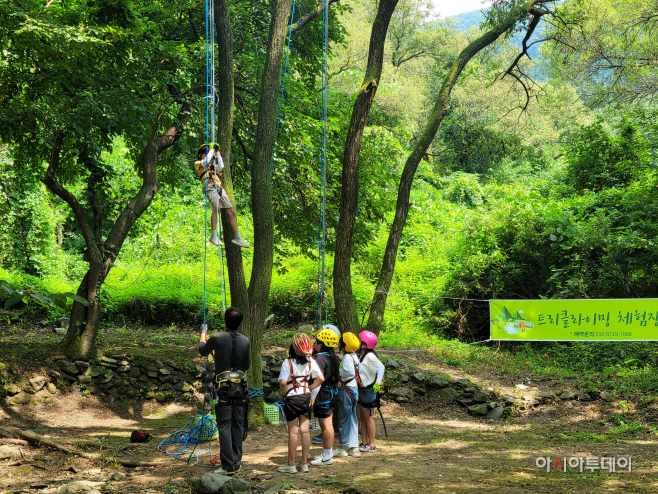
(348, 397)
(296, 371)
(208, 167)
(371, 377)
(325, 397)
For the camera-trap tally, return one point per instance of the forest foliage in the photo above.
(555, 200)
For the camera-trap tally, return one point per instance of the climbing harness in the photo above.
(296, 381)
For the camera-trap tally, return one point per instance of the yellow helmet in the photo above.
(351, 342)
(328, 337)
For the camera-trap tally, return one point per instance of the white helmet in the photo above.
(333, 328)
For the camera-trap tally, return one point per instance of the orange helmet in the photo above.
(302, 344)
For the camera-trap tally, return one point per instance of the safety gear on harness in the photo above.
(357, 377)
(328, 337)
(369, 338)
(302, 345)
(332, 328)
(298, 381)
(351, 342)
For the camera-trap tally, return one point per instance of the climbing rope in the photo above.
(322, 299)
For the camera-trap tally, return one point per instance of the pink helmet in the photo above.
(369, 338)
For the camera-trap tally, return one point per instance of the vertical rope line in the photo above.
(323, 167)
(205, 211)
(283, 85)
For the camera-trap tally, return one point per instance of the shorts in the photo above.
(367, 398)
(324, 403)
(296, 405)
(224, 201)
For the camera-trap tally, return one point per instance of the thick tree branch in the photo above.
(50, 180)
(310, 16)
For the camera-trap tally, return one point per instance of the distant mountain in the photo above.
(468, 20)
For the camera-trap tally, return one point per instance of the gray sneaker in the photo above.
(214, 239)
(240, 243)
(303, 467)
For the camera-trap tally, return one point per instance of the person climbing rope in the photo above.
(348, 397)
(325, 396)
(208, 168)
(296, 372)
(232, 359)
(371, 376)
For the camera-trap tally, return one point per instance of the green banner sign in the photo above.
(627, 319)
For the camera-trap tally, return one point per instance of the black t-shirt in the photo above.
(221, 344)
(326, 365)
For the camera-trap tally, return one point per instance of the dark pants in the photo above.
(230, 424)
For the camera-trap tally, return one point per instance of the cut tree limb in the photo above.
(40, 441)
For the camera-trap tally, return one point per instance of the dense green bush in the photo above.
(599, 159)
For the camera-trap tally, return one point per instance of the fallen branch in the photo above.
(39, 441)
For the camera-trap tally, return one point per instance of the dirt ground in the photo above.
(431, 447)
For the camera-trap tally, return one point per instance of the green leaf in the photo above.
(76, 298)
(41, 299)
(553, 238)
(13, 300)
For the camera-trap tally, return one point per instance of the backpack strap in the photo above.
(234, 363)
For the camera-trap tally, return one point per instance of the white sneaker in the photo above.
(303, 467)
(221, 471)
(240, 243)
(214, 239)
(322, 461)
(339, 452)
(355, 452)
(289, 469)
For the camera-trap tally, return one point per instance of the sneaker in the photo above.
(322, 461)
(303, 467)
(339, 452)
(214, 239)
(366, 448)
(221, 471)
(355, 452)
(317, 439)
(240, 243)
(288, 469)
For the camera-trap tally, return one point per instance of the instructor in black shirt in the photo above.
(231, 353)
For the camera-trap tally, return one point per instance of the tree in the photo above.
(607, 48)
(344, 299)
(73, 78)
(503, 19)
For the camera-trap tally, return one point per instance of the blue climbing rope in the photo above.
(283, 85)
(322, 299)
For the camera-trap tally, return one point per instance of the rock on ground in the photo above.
(480, 409)
(212, 483)
(496, 413)
(235, 486)
(9, 452)
(74, 487)
(446, 394)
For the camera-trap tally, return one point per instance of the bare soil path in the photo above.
(432, 447)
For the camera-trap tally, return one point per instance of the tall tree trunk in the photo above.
(252, 301)
(344, 299)
(261, 186)
(80, 339)
(378, 305)
(225, 95)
